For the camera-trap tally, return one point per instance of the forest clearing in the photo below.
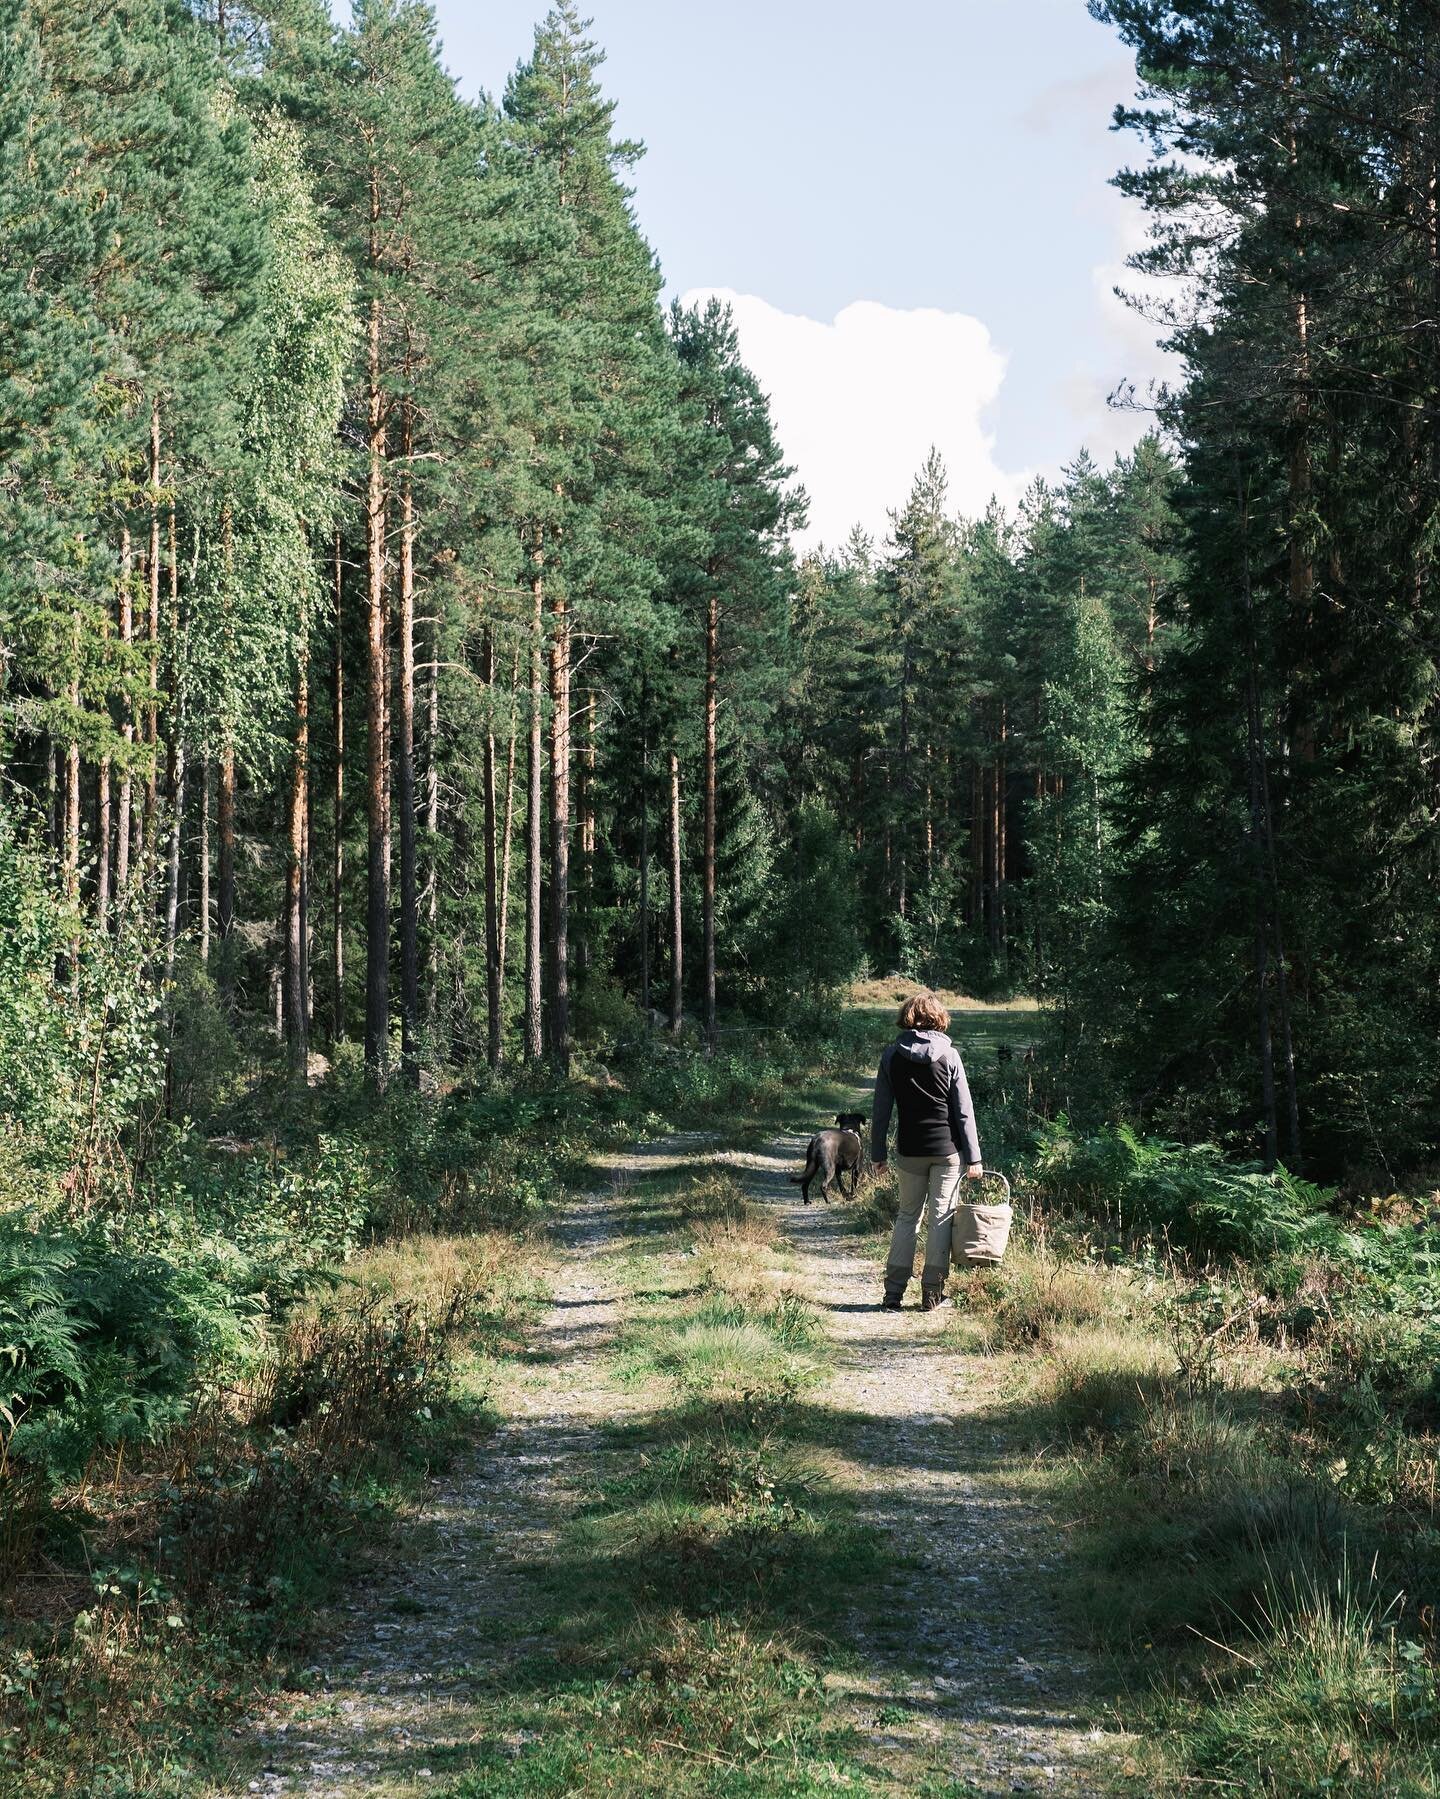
(463, 832)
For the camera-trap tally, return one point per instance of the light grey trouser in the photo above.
(927, 1185)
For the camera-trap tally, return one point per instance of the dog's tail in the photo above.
(811, 1168)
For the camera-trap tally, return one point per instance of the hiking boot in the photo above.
(931, 1297)
(891, 1302)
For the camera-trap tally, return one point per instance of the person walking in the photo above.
(922, 1078)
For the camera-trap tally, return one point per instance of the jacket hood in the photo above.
(922, 1046)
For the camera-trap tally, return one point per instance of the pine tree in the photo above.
(599, 416)
(396, 145)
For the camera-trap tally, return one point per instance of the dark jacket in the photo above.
(922, 1076)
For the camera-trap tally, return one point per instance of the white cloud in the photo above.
(858, 402)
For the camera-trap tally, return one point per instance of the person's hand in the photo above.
(877, 1161)
(975, 1171)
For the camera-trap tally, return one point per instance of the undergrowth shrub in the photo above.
(1187, 1196)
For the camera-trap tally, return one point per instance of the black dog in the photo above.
(832, 1155)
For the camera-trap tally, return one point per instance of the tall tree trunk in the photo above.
(71, 793)
(1255, 771)
(127, 722)
(1002, 828)
(405, 772)
(906, 779)
(152, 707)
(509, 827)
(432, 826)
(494, 1041)
(296, 999)
(712, 669)
(174, 759)
(54, 796)
(1299, 473)
(337, 808)
(225, 897)
(560, 833)
(977, 845)
(587, 836)
(205, 862)
(175, 787)
(103, 835)
(677, 922)
(645, 850)
(1267, 902)
(377, 795)
(534, 999)
(1261, 922)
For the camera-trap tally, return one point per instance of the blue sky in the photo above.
(945, 163)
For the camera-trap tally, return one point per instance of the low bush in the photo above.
(1186, 1196)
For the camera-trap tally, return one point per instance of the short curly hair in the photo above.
(924, 1012)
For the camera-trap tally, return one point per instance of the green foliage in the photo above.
(79, 1049)
(1188, 1196)
(102, 1344)
(813, 947)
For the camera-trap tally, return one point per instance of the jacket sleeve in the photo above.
(962, 1113)
(880, 1115)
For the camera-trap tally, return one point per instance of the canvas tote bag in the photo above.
(982, 1232)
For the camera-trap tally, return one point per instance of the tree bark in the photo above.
(506, 858)
(337, 866)
(1267, 902)
(127, 724)
(645, 851)
(587, 837)
(712, 665)
(1300, 482)
(102, 843)
(677, 922)
(175, 786)
(377, 918)
(493, 1000)
(152, 708)
(296, 999)
(225, 897)
(174, 761)
(205, 863)
(432, 826)
(560, 834)
(534, 1000)
(1002, 829)
(71, 796)
(405, 773)
(54, 795)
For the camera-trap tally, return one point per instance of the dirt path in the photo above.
(397, 1684)
(966, 1632)
(960, 1670)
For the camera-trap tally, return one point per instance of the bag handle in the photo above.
(994, 1174)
